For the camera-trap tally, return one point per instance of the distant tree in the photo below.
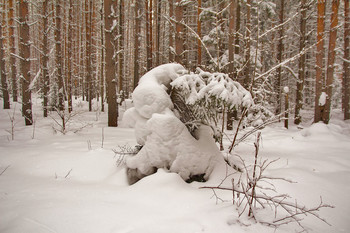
(59, 57)
(137, 32)
(24, 53)
(280, 50)
(179, 40)
(45, 55)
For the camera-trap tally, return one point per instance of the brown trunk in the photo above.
(137, 43)
(346, 66)
(59, 63)
(88, 42)
(171, 34)
(121, 48)
(279, 59)
(321, 14)
(179, 43)
(301, 75)
(159, 12)
(233, 6)
(199, 32)
(331, 59)
(45, 57)
(5, 93)
(110, 67)
(12, 50)
(247, 72)
(70, 58)
(24, 53)
(102, 78)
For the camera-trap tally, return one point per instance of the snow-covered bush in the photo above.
(174, 116)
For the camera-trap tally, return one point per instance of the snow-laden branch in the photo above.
(278, 26)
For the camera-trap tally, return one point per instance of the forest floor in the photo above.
(54, 182)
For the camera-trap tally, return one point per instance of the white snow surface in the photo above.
(52, 182)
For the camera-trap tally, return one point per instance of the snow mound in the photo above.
(165, 139)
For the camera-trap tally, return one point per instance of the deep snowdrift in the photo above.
(54, 183)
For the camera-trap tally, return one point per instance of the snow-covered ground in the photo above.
(52, 182)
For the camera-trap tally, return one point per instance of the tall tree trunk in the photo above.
(171, 34)
(280, 51)
(137, 43)
(13, 66)
(45, 57)
(199, 32)
(179, 42)
(320, 80)
(110, 67)
(102, 78)
(59, 61)
(238, 25)
(158, 37)
(24, 53)
(331, 59)
(247, 72)
(70, 58)
(5, 93)
(346, 66)
(302, 62)
(88, 42)
(121, 48)
(231, 50)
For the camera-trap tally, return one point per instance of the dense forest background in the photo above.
(291, 55)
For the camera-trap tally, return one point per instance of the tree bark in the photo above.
(59, 61)
(179, 42)
(302, 62)
(321, 14)
(110, 67)
(199, 32)
(121, 49)
(171, 34)
(45, 58)
(331, 59)
(24, 53)
(346, 65)
(280, 51)
(12, 50)
(5, 93)
(70, 58)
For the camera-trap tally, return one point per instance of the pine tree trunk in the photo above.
(12, 50)
(59, 62)
(70, 58)
(179, 43)
(110, 67)
(331, 59)
(346, 65)
(280, 51)
(102, 78)
(199, 32)
(5, 93)
(320, 80)
(45, 57)
(247, 72)
(121, 48)
(24, 53)
(88, 42)
(137, 44)
(301, 75)
(171, 34)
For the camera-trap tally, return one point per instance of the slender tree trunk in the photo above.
(137, 43)
(110, 67)
(171, 34)
(321, 14)
(102, 78)
(12, 50)
(302, 62)
(88, 52)
(158, 37)
(231, 50)
(5, 93)
(331, 59)
(279, 59)
(70, 58)
(24, 53)
(45, 57)
(346, 65)
(247, 73)
(238, 25)
(199, 32)
(121, 48)
(179, 42)
(59, 62)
